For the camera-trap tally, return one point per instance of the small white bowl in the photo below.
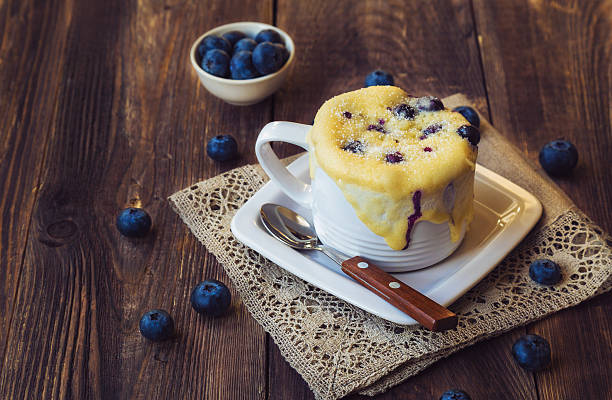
(247, 91)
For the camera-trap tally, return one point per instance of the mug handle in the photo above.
(289, 132)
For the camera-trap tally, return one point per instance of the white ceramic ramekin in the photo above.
(247, 91)
(335, 219)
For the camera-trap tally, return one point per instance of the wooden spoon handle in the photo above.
(423, 309)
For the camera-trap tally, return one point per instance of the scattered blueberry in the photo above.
(216, 62)
(378, 78)
(428, 149)
(269, 35)
(404, 111)
(558, 157)
(222, 148)
(532, 352)
(241, 66)
(211, 42)
(233, 36)
(133, 222)
(545, 272)
(470, 133)
(247, 44)
(268, 57)
(470, 114)
(354, 147)
(394, 157)
(429, 103)
(157, 325)
(211, 297)
(347, 114)
(431, 129)
(455, 394)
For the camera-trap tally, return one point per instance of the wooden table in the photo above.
(100, 108)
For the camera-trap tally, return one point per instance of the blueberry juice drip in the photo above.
(412, 219)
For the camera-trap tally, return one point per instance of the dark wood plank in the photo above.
(547, 69)
(129, 126)
(29, 78)
(430, 48)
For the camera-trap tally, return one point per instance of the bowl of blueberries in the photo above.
(244, 62)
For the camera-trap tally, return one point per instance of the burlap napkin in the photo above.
(338, 348)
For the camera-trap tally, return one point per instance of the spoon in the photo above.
(295, 231)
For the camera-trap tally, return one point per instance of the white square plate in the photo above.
(503, 214)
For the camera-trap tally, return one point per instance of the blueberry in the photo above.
(157, 325)
(354, 146)
(470, 133)
(431, 129)
(233, 36)
(269, 35)
(545, 272)
(429, 103)
(211, 42)
(532, 352)
(133, 222)
(404, 111)
(211, 297)
(268, 57)
(216, 62)
(470, 114)
(222, 148)
(241, 66)
(394, 157)
(247, 44)
(455, 394)
(558, 157)
(378, 78)
(347, 115)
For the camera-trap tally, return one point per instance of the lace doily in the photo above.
(339, 348)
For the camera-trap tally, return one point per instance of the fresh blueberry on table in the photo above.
(268, 57)
(133, 222)
(532, 352)
(233, 36)
(268, 35)
(241, 66)
(429, 103)
(211, 42)
(545, 272)
(470, 114)
(378, 78)
(211, 297)
(470, 133)
(222, 148)
(455, 394)
(558, 157)
(157, 325)
(216, 62)
(246, 44)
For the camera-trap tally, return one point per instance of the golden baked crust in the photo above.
(382, 146)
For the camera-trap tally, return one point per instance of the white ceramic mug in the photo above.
(335, 219)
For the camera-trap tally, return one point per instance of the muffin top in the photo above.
(384, 140)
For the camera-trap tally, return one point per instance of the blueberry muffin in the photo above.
(397, 159)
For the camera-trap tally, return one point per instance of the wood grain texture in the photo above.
(28, 88)
(548, 71)
(100, 109)
(127, 124)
